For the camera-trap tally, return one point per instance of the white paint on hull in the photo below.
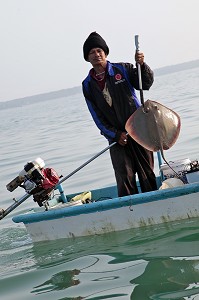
(121, 218)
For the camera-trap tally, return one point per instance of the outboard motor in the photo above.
(36, 180)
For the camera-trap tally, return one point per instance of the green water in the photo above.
(158, 262)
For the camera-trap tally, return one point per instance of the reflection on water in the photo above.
(94, 275)
(177, 277)
(98, 276)
(146, 263)
(157, 262)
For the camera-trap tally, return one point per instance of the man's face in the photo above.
(97, 56)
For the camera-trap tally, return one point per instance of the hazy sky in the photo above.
(41, 40)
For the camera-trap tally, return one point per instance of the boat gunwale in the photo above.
(107, 204)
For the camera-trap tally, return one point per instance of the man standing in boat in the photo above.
(109, 91)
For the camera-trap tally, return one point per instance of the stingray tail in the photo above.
(163, 157)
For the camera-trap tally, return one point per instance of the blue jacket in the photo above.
(121, 82)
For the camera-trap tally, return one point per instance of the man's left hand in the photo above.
(139, 57)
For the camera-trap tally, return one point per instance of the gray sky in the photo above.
(41, 40)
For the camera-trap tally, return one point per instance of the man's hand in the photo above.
(123, 139)
(139, 57)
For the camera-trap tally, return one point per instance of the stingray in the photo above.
(155, 127)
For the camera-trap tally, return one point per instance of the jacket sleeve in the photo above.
(108, 131)
(146, 74)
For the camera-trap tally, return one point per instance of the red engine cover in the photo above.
(51, 178)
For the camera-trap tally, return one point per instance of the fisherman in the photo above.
(109, 91)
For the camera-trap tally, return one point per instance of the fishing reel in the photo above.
(35, 180)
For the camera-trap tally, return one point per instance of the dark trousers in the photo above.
(129, 160)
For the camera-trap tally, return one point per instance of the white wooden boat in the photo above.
(105, 212)
(101, 211)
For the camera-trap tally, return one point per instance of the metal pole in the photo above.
(5, 212)
(87, 162)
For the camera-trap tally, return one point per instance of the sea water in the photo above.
(157, 262)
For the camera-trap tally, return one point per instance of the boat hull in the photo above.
(114, 214)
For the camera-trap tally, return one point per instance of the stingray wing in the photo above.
(155, 127)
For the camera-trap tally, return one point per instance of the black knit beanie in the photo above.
(94, 40)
